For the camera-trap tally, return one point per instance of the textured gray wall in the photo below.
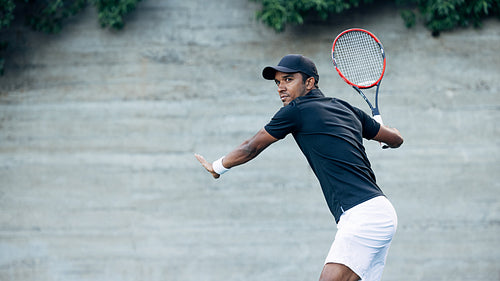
(98, 130)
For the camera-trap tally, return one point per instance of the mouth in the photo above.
(283, 97)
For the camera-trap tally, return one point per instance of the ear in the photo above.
(310, 83)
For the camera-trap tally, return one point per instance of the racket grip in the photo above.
(378, 118)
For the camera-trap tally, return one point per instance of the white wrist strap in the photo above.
(218, 167)
(378, 118)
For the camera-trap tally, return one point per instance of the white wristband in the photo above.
(218, 167)
(378, 118)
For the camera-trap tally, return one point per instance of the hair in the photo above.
(305, 77)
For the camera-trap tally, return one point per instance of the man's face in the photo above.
(290, 86)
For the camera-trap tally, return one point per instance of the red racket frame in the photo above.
(342, 75)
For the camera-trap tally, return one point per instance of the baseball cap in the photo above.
(291, 64)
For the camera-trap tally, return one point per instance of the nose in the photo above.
(281, 87)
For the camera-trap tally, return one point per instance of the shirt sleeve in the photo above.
(370, 126)
(285, 121)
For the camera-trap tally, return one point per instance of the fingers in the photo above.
(201, 159)
(204, 162)
(207, 165)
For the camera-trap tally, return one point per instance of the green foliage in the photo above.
(49, 15)
(278, 13)
(437, 15)
(409, 18)
(111, 12)
(6, 12)
(441, 15)
(6, 16)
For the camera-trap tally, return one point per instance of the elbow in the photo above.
(390, 136)
(399, 142)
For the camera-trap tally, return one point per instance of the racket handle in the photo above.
(378, 118)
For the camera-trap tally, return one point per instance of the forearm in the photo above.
(249, 149)
(240, 155)
(390, 136)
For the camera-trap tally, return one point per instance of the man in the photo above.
(330, 133)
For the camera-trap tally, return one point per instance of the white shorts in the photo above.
(364, 235)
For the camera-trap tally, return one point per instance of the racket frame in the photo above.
(374, 109)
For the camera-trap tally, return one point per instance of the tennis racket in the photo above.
(359, 59)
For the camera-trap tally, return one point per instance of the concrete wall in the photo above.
(98, 130)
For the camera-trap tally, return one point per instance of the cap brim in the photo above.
(270, 72)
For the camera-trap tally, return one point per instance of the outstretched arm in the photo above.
(390, 136)
(248, 150)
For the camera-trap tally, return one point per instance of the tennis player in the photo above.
(330, 133)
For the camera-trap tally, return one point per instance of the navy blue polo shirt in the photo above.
(330, 133)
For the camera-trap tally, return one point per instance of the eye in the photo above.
(277, 82)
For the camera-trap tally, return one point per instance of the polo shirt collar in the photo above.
(314, 92)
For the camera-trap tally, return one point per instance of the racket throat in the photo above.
(375, 111)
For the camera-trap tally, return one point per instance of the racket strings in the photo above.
(359, 58)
